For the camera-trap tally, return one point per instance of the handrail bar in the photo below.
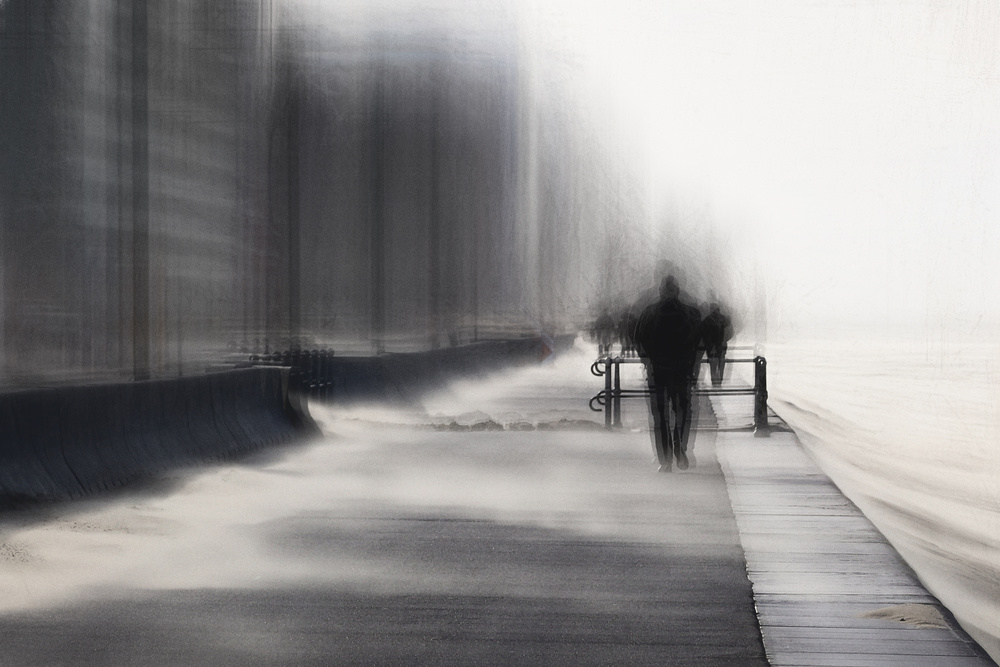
(612, 409)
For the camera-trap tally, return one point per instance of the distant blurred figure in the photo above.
(626, 332)
(667, 336)
(603, 331)
(716, 330)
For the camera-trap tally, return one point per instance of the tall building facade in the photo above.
(185, 179)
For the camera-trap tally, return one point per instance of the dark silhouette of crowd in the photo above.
(670, 335)
(603, 331)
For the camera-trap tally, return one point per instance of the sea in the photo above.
(909, 428)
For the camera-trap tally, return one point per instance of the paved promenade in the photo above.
(402, 537)
(496, 524)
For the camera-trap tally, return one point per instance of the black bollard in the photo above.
(608, 403)
(617, 417)
(760, 427)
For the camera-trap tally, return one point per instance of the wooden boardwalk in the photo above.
(829, 589)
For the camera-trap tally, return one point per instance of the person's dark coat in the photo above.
(668, 335)
(716, 330)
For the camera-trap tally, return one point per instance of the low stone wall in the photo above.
(70, 441)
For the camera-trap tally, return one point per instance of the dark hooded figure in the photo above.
(667, 336)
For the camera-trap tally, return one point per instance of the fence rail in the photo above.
(609, 399)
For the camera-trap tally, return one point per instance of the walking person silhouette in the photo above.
(667, 337)
(716, 330)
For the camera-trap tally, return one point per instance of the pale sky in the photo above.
(856, 143)
(847, 151)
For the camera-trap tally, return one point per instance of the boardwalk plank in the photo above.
(818, 564)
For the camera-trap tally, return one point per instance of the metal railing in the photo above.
(610, 398)
(310, 371)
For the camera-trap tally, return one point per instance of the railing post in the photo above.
(327, 374)
(607, 393)
(312, 364)
(617, 417)
(331, 388)
(760, 427)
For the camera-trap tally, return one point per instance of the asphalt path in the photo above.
(491, 525)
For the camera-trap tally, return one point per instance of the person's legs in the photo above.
(685, 395)
(717, 363)
(715, 366)
(659, 411)
(665, 437)
(680, 400)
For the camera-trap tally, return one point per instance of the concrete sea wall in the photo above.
(71, 441)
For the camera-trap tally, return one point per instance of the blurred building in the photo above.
(185, 179)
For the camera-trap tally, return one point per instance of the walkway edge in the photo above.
(825, 580)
